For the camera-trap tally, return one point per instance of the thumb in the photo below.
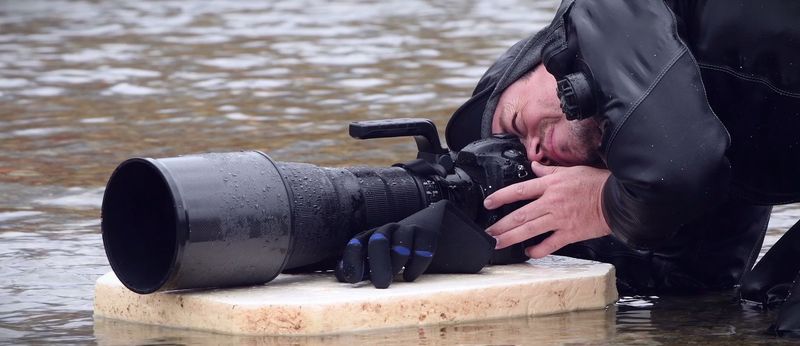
(541, 170)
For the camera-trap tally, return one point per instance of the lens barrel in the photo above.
(230, 219)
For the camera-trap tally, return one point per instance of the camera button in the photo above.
(512, 154)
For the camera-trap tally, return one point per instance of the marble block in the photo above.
(315, 304)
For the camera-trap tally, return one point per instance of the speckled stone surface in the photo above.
(318, 304)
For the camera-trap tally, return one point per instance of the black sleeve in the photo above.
(662, 142)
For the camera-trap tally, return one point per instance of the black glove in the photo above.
(437, 239)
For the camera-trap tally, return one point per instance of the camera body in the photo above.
(493, 163)
(465, 177)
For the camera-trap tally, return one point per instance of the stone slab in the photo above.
(316, 304)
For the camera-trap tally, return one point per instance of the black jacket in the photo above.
(700, 102)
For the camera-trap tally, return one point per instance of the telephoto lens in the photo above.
(231, 219)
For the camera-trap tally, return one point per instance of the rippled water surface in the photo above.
(86, 84)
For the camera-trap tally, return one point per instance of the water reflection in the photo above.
(710, 319)
(580, 327)
(86, 84)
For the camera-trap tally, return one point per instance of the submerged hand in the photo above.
(566, 201)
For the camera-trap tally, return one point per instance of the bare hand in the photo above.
(567, 201)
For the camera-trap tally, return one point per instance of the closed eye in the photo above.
(517, 132)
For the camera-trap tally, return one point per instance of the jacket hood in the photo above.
(473, 120)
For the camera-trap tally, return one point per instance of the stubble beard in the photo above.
(588, 137)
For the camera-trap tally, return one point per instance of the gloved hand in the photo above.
(438, 239)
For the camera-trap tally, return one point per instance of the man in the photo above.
(685, 132)
(673, 131)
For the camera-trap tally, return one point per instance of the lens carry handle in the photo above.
(423, 130)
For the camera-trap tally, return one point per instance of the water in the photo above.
(86, 84)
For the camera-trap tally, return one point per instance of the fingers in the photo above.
(541, 170)
(526, 190)
(526, 213)
(402, 242)
(549, 245)
(424, 247)
(525, 231)
(566, 200)
(353, 266)
(380, 261)
(379, 254)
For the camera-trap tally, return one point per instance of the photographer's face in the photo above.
(530, 110)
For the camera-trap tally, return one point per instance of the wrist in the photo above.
(600, 210)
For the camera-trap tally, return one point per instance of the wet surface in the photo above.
(85, 85)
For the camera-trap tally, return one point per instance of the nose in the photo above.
(534, 149)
